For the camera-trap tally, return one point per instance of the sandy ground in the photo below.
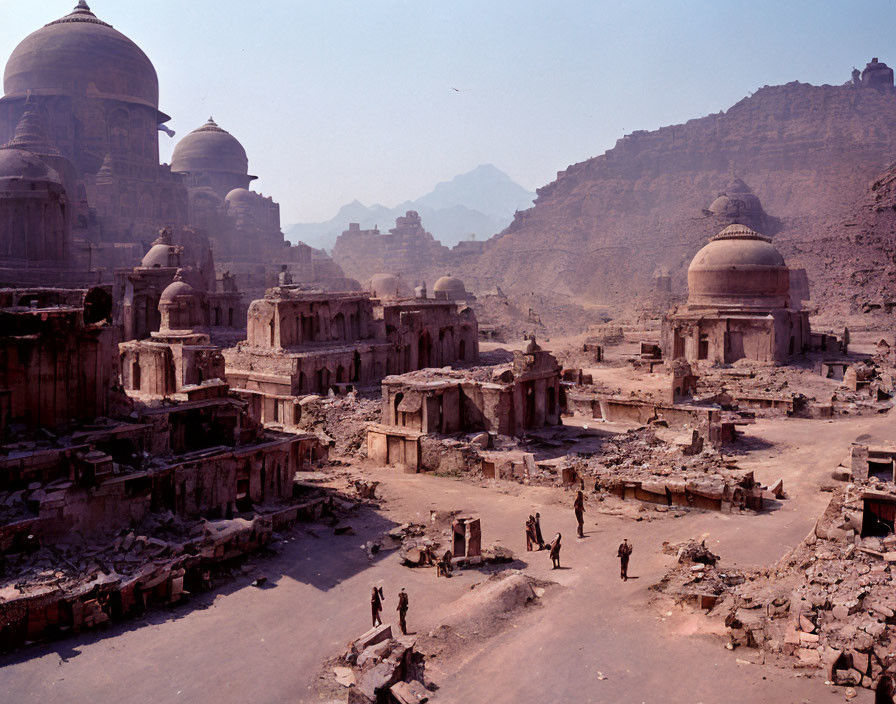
(593, 639)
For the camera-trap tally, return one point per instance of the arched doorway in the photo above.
(424, 350)
(337, 327)
(396, 402)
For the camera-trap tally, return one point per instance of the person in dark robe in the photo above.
(579, 508)
(376, 605)
(403, 610)
(444, 566)
(530, 533)
(538, 538)
(624, 552)
(555, 552)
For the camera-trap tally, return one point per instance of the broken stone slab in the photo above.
(344, 676)
(375, 635)
(373, 654)
(410, 692)
(378, 680)
(809, 656)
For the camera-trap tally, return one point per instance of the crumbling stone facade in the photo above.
(303, 343)
(505, 400)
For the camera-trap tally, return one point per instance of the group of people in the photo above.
(533, 538)
(376, 607)
(533, 533)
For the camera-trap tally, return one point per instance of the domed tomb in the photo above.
(738, 304)
(387, 286)
(80, 54)
(211, 156)
(179, 306)
(449, 287)
(33, 208)
(101, 91)
(738, 204)
(738, 268)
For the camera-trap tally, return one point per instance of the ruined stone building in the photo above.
(876, 74)
(57, 357)
(738, 304)
(137, 291)
(178, 360)
(90, 458)
(504, 400)
(302, 343)
(407, 250)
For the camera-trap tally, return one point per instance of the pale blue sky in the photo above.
(342, 100)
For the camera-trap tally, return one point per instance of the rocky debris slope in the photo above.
(602, 228)
(341, 421)
(829, 603)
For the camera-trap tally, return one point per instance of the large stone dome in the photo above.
(210, 149)
(738, 268)
(81, 55)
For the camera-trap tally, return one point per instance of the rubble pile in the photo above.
(831, 602)
(764, 389)
(638, 465)
(341, 421)
(422, 545)
(378, 667)
(49, 590)
(696, 580)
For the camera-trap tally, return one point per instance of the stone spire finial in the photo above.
(81, 13)
(164, 236)
(31, 132)
(107, 168)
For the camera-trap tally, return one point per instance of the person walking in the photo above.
(530, 533)
(538, 538)
(579, 508)
(624, 552)
(555, 552)
(376, 605)
(403, 610)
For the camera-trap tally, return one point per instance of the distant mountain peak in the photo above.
(481, 201)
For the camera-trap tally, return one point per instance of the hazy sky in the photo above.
(342, 100)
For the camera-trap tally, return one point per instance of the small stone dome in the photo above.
(738, 267)
(81, 55)
(159, 255)
(25, 167)
(449, 287)
(240, 196)
(386, 286)
(176, 288)
(210, 149)
(737, 200)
